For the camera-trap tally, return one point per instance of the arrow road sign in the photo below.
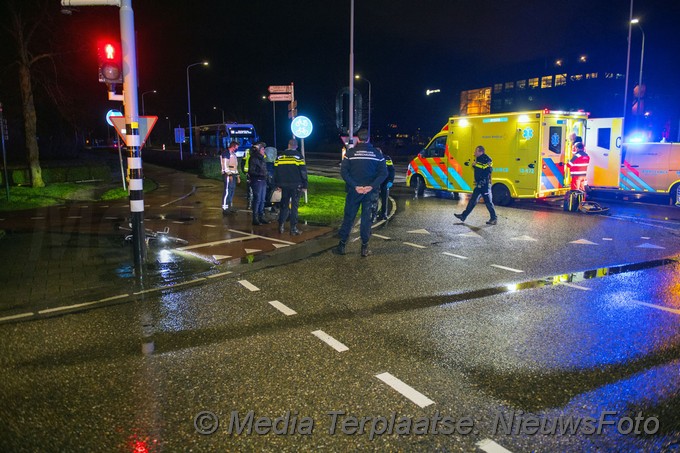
(280, 89)
(281, 97)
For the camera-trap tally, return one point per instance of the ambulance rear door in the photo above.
(524, 162)
(459, 150)
(553, 158)
(603, 145)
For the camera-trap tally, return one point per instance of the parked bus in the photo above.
(213, 138)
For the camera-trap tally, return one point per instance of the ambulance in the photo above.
(530, 151)
(630, 167)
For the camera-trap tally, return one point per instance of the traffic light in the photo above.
(110, 62)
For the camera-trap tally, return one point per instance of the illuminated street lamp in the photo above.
(217, 108)
(357, 76)
(146, 92)
(191, 140)
(642, 58)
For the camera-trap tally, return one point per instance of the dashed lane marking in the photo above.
(607, 239)
(456, 256)
(278, 246)
(421, 231)
(489, 446)
(645, 237)
(583, 242)
(506, 268)
(282, 308)
(210, 226)
(647, 245)
(409, 392)
(37, 218)
(221, 274)
(19, 316)
(381, 236)
(85, 304)
(252, 250)
(572, 285)
(523, 238)
(225, 241)
(248, 285)
(415, 245)
(330, 341)
(658, 307)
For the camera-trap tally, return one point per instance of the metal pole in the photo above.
(351, 75)
(274, 117)
(191, 140)
(369, 109)
(4, 151)
(642, 59)
(132, 138)
(625, 90)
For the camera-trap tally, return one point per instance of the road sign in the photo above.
(281, 97)
(111, 113)
(146, 123)
(179, 135)
(301, 127)
(280, 88)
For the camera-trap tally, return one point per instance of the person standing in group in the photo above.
(257, 173)
(229, 164)
(290, 176)
(578, 166)
(483, 166)
(363, 170)
(385, 188)
(245, 160)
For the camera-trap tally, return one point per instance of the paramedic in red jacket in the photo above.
(578, 165)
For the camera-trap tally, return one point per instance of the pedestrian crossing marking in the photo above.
(405, 389)
(649, 246)
(330, 341)
(583, 242)
(282, 308)
(420, 231)
(248, 285)
(221, 274)
(524, 238)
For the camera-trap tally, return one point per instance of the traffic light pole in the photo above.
(132, 138)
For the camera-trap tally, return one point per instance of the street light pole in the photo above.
(217, 108)
(369, 103)
(625, 89)
(146, 92)
(642, 59)
(191, 139)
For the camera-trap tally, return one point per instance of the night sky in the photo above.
(402, 47)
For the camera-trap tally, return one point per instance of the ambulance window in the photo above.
(555, 143)
(604, 137)
(437, 148)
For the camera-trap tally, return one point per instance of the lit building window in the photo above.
(533, 83)
(498, 87)
(560, 79)
(509, 85)
(521, 84)
(591, 75)
(576, 77)
(546, 81)
(608, 75)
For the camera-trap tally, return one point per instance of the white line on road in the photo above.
(225, 241)
(247, 284)
(22, 315)
(262, 237)
(210, 226)
(221, 274)
(571, 285)
(415, 245)
(381, 236)
(330, 341)
(405, 389)
(489, 446)
(282, 308)
(658, 307)
(69, 307)
(162, 288)
(456, 256)
(506, 268)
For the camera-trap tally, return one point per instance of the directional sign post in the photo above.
(280, 97)
(281, 88)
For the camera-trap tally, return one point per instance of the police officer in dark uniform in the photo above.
(385, 188)
(483, 166)
(363, 170)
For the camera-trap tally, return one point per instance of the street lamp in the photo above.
(217, 108)
(642, 58)
(191, 140)
(357, 76)
(146, 92)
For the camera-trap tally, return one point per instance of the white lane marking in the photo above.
(210, 244)
(583, 242)
(658, 307)
(221, 257)
(420, 231)
(278, 246)
(193, 189)
(523, 238)
(282, 308)
(415, 245)
(607, 239)
(19, 316)
(647, 245)
(572, 285)
(489, 446)
(162, 288)
(116, 218)
(221, 274)
(330, 341)
(247, 284)
(405, 389)
(210, 226)
(252, 250)
(381, 236)
(506, 268)
(456, 256)
(645, 237)
(262, 237)
(85, 304)
(377, 224)
(177, 221)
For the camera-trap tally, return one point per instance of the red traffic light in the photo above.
(110, 62)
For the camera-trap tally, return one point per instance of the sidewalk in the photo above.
(75, 253)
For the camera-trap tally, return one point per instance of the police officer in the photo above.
(385, 188)
(229, 162)
(290, 175)
(483, 166)
(363, 170)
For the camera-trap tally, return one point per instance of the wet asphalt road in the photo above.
(478, 322)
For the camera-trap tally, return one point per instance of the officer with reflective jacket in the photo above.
(290, 176)
(483, 166)
(385, 188)
(363, 170)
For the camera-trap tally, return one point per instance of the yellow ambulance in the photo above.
(529, 151)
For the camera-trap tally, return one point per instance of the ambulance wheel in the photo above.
(501, 195)
(418, 183)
